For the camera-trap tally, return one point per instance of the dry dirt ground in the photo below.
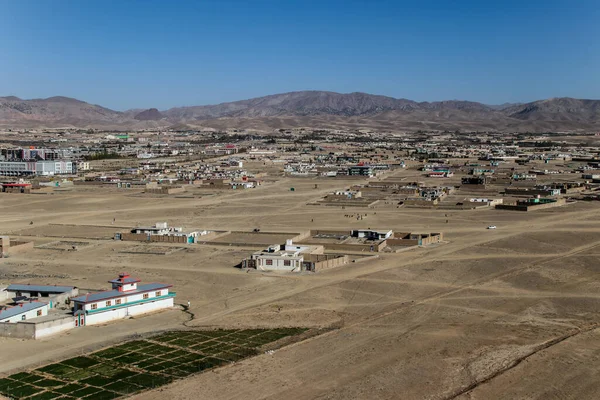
(510, 313)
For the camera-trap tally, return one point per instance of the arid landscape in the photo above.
(294, 200)
(310, 109)
(507, 313)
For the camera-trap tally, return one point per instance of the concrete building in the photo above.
(159, 228)
(478, 180)
(126, 298)
(33, 154)
(441, 174)
(53, 295)
(415, 239)
(32, 319)
(43, 168)
(24, 312)
(288, 257)
(536, 191)
(532, 204)
(15, 187)
(486, 201)
(361, 170)
(372, 234)
(161, 232)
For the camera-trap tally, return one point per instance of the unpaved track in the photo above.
(426, 323)
(349, 339)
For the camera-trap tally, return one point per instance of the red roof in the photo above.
(124, 277)
(16, 184)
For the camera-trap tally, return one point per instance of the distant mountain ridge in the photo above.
(312, 109)
(151, 114)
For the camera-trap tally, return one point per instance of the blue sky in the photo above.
(140, 54)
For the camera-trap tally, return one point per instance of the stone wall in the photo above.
(326, 261)
(16, 247)
(165, 190)
(21, 330)
(142, 237)
(531, 207)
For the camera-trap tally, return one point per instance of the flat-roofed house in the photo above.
(372, 234)
(15, 187)
(289, 257)
(127, 298)
(160, 232)
(24, 312)
(53, 294)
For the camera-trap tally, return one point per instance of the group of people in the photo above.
(358, 216)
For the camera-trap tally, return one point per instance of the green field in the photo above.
(139, 365)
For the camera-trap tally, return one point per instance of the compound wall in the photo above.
(36, 330)
(142, 237)
(48, 328)
(120, 313)
(326, 261)
(165, 190)
(21, 330)
(17, 247)
(532, 207)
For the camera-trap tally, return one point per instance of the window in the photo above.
(23, 317)
(157, 294)
(287, 263)
(145, 296)
(39, 313)
(108, 303)
(269, 262)
(118, 301)
(94, 306)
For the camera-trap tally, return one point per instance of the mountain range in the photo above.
(316, 109)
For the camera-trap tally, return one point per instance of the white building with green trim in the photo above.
(126, 299)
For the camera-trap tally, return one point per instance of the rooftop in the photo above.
(39, 288)
(15, 184)
(279, 253)
(51, 316)
(12, 311)
(110, 294)
(124, 278)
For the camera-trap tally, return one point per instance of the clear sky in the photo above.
(139, 54)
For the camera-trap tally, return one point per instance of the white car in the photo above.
(492, 227)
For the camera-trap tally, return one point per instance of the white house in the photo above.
(160, 228)
(126, 298)
(24, 312)
(44, 167)
(288, 257)
(83, 166)
(372, 234)
(163, 229)
(52, 294)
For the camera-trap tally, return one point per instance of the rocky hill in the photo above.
(151, 114)
(312, 109)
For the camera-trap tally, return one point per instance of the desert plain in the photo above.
(505, 313)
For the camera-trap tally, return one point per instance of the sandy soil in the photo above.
(510, 313)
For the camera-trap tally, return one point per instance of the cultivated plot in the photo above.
(139, 365)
